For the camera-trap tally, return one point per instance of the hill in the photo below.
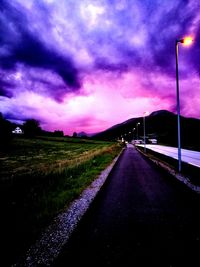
(160, 124)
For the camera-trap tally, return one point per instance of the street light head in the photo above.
(186, 41)
(146, 113)
(138, 123)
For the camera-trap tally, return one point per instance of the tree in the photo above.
(5, 131)
(58, 133)
(74, 135)
(31, 128)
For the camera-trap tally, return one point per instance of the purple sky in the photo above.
(85, 65)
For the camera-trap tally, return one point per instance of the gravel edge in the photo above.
(174, 173)
(56, 235)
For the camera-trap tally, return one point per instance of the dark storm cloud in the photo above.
(195, 60)
(136, 34)
(103, 64)
(21, 46)
(173, 24)
(142, 34)
(33, 53)
(14, 117)
(119, 49)
(4, 91)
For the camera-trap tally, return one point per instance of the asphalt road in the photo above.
(142, 217)
(189, 156)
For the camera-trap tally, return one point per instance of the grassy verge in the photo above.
(189, 171)
(39, 178)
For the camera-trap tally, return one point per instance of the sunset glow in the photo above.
(87, 65)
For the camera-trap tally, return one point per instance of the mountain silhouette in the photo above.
(161, 124)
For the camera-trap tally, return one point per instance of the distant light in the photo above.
(187, 40)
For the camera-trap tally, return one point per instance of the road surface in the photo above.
(142, 217)
(189, 156)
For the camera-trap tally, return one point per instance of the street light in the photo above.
(133, 134)
(186, 41)
(145, 114)
(137, 129)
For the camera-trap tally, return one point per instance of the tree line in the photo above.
(30, 128)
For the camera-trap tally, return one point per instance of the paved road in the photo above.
(188, 156)
(142, 217)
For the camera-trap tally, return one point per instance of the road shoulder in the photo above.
(182, 178)
(56, 235)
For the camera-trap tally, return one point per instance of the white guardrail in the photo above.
(189, 156)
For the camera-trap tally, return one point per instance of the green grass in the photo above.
(25, 156)
(40, 177)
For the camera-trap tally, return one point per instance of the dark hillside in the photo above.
(160, 124)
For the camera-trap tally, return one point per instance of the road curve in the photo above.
(142, 217)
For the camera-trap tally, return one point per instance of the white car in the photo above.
(138, 141)
(153, 141)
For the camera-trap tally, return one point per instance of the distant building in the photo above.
(17, 130)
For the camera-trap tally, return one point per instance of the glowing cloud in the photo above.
(86, 65)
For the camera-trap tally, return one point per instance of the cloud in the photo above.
(105, 100)
(69, 59)
(27, 49)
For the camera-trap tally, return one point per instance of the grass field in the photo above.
(39, 178)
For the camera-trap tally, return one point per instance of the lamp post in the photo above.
(133, 134)
(185, 41)
(137, 129)
(145, 113)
